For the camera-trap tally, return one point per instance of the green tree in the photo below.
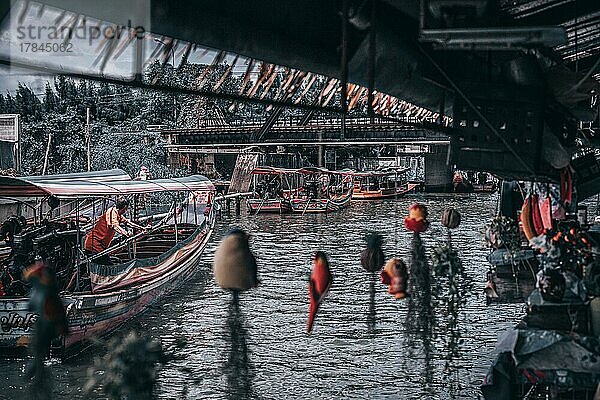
(27, 104)
(50, 99)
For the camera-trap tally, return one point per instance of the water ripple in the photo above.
(361, 346)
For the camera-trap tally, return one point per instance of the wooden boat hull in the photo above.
(278, 206)
(487, 188)
(389, 193)
(522, 263)
(94, 315)
(320, 205)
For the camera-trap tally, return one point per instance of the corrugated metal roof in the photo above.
(580, 18)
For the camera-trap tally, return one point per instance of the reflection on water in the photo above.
(420, 317)
(365, 344)
(452, 288)
(372, 314)
(238, 368)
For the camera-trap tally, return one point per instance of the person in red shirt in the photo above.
(100, 237)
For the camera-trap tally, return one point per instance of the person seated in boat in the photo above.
(261, 189)
(457, 179)
(471, 176)
(11, 227)
(274, 188)
(100, 237)
(376, 183)
(482, 178)
(312, 189)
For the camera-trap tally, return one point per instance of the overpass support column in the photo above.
(320, 147)
(438, 174)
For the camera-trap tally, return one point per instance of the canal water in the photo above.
(365, 344)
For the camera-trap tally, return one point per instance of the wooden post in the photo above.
(87, 139)
(238, 205)
(138, 62)
(77, 250)
(344, 65)
(47, 153)
(371, 63)
(175, 223)
(320, 153)
(194, 197)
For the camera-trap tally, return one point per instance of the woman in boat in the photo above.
(99, 238)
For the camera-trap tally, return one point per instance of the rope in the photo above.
(396, 222)
(590, 72)
(307, 204)
(499, 201)
(261, 204)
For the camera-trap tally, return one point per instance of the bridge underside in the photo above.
(518, 78)
(287, 131)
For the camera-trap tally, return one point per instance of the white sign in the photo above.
(412, 148)
(9, 128)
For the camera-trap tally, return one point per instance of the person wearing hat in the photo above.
(144, 174)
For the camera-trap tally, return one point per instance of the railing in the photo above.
(294, 122)
(232, 196)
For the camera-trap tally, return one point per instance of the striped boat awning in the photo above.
(85, 186)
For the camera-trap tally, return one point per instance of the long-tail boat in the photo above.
(381, 184)
(271, 190)
(32, 207)
(99, 298)
(323, 190)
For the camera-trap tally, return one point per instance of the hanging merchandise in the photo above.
(558, 210)
(546, 209)
(445, 261)
(417, 218)
(451, 218)
(318, 286)
(536, 216)
(503, 232)
(395, 274)
(372, 258)
(551, 284)
(566, 186)
(234, 264)
(574, 249)
(527, 219)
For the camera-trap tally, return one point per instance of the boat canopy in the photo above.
(319, 170)
(107, 175)
(266, 170)
(84, 187)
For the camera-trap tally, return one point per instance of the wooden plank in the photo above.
(242, 177)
